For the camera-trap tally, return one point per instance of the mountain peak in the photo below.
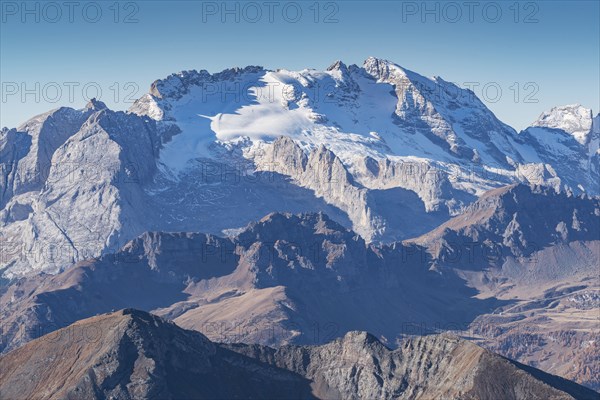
(573, 119)
(288, 221)
(376, 66)
(375, 60)
(178, 84)
(361, 338)
(95, 104)
(338, 66)
(501, 218)
(295, 228)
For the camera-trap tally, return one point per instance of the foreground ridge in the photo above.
(134, 354)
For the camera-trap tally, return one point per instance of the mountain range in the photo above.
(287, 209)
(305, 279)
(383, 150)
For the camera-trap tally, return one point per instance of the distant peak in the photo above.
(338, 66)
(375, 60)
(291, 227)
(134, 312)
(566, 109)
(573, 119)
(387, 70)
(95, 105)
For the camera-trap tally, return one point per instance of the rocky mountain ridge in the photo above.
(132, 354)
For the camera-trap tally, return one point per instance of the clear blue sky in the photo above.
(552, 44)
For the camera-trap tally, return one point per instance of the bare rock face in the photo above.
(132, 354)
(27, 151)
(358, 366)
(77, 190)
(325, 174)
(376, 197)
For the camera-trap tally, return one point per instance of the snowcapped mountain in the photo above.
(569, 136)
(389, 127)
(572, 119)
(385, 151)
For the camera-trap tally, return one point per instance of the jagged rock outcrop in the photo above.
(359, 366)
(325, 174)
